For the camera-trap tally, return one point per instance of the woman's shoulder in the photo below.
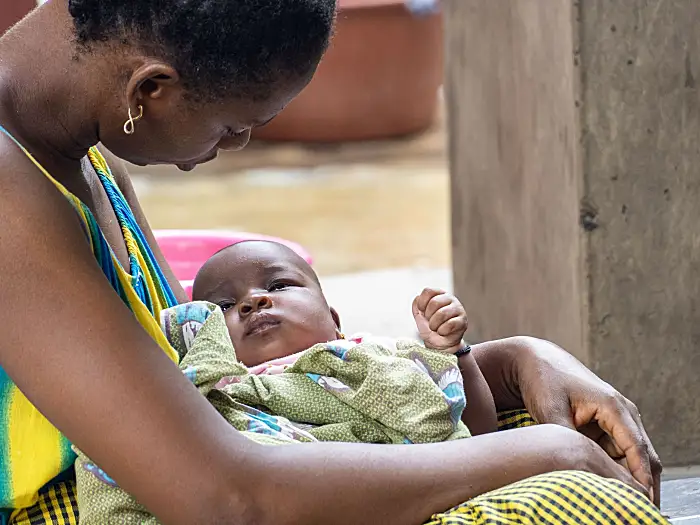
(22, 184)
(14, 161)
(30, 206)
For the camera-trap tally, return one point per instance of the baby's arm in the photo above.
(442, 323)
(480, 413)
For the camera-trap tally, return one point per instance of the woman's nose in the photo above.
(254, 304)
(236, 142)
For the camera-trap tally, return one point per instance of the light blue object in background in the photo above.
(423, 7)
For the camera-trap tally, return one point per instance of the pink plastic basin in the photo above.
(187, 250)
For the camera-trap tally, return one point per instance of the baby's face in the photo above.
(271, 299)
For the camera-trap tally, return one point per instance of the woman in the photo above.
(174, 81)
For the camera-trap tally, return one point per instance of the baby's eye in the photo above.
(278, 286)
(226, 305)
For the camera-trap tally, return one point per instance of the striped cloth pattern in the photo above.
(32, 451)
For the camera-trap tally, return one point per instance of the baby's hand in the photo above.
(441, 320)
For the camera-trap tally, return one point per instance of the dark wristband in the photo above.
(464, 350)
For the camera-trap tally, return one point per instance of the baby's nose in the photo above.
(255, 304)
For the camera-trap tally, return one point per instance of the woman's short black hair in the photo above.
(219, 47)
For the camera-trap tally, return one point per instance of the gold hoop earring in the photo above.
(129, 125)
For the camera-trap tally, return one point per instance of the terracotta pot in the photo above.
(379, 79)
(13, 11)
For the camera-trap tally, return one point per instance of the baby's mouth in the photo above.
(261, 323)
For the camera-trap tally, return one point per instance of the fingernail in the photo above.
(651, 494)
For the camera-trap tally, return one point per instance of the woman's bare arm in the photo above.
(496, 360)
(404, 485)
(79, 355)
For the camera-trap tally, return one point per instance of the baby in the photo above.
(274, 309)
(302, 382)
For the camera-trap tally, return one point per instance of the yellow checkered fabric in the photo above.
(514, 419)
(56, 506)
(554, 499)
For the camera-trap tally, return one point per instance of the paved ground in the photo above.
(379, 302)
(680, 500)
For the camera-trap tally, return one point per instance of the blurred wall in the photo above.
(12, 11)
(576, 190)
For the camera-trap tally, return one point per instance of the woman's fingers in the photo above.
(623, 474)
(598, 462)
(615, 419)
(617, 428)
(609, 446)
(654, 460)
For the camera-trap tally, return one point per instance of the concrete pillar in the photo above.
(575, 160)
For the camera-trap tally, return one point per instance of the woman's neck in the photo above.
(46, 100)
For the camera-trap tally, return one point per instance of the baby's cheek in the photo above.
(234, 330)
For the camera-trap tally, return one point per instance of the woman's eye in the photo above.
(278, 286)
(234, 133)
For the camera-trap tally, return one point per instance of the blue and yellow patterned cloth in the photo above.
(32, 451)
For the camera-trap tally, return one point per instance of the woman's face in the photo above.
(176, 130)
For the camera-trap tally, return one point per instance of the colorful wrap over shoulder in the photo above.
(32, 451)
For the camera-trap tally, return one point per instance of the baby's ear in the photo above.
(336, 317)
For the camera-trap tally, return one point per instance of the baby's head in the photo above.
(271, 298)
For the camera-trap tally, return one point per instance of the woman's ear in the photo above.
(153, 81)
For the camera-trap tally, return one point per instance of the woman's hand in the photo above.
(556, 388)
(571, 450)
